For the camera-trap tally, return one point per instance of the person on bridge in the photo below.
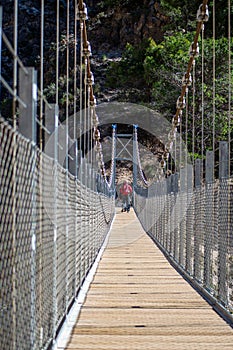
(125, 194)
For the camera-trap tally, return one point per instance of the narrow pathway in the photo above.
(138, 301)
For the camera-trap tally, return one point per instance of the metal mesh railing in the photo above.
(193, 226)
(52, 227)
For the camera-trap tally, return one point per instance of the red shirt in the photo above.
(126, 189)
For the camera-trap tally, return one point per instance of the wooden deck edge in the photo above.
(63, 337)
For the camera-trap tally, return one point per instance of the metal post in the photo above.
(28, 94)
(135, 161)
(223, 222)
(183, 188)
(62, 145)
(56, 117)
(168, 209)
(72, 161)
(76, 219)
(27, 127)
(172, 216)
(176, 217)
(209, 212)
(197, 221)
(114, 128)
(0, 45)
(51, 118)
(67, 214)
(189, 216)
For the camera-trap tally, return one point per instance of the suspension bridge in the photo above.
(76, 272)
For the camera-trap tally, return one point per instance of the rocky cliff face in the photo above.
(112, 27)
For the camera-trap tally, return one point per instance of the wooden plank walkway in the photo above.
(138, 301)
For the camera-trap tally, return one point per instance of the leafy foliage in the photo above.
(154, 66)
(159, 68)
(182, 15)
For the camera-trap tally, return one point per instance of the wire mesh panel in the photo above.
(27, 223)
(182, 230)
(215, 237)
(189, 258)
(7, 240)
(61, 246)
(223, 242)
(168, 215)
(209, 237)
(78, 237)
(198, 232)
(46, 247)
(176, 218)
(194, 227)
(71, 244)
(46, 252)
(172, 217)
(230, 244)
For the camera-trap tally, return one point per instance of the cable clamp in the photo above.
(87, 50)
(90, 80)
(187, 80)
(194, 51)
(180, 103)
(96, 134)
(82, 13)
(176, 121)
(203, 13)
(93, 102)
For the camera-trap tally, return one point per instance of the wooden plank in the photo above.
(138, 301)
(132, 342)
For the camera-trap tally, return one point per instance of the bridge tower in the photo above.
(125, 149)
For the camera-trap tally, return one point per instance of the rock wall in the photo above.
(113, 27)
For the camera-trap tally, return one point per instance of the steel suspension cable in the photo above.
(85, 107)
(89, 99)
(180, 141)
(57, 51)
(229, 85)
(139, 160)
(86, 53)
(15, 69)
(81, 94)
(194, 49)
(202, 96)
(67, 146)
(75, 144)
(186, 127)
(193, 112)
(41, 71)
(214, 78)
(14, 214)
(110, 182)
(75, 74)
(67, 79)
(40, 156)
